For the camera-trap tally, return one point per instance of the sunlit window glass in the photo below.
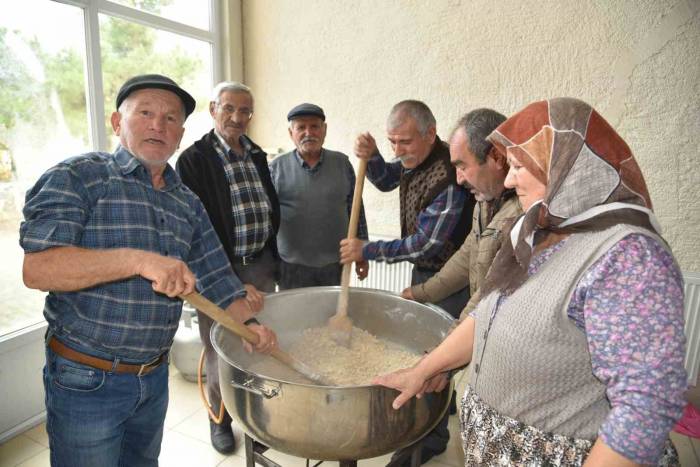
(185, 60)
(43, 120)
(192, 12)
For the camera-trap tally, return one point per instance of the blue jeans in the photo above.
(99, 418)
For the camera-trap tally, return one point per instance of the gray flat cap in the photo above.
(306, 110)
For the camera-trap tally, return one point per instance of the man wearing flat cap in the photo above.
(115, 239)
(315, 187)
(229, 173)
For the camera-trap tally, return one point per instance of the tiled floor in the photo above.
(186, 440)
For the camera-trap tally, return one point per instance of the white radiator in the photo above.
(391, 277)
(692, 326)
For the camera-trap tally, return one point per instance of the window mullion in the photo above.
(95, 90)
(216, 28)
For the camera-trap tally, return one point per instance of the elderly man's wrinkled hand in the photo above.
(365, 146)
(254, 297)
(168, 276)
(267, 339)
(407, 293)
(351, 250)
(362, 269)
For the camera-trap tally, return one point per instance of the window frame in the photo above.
(26, 408)
(93, 79)
(99, 139)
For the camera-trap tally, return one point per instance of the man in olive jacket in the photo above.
(481, 169)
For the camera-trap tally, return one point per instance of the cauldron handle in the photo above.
(252, 385)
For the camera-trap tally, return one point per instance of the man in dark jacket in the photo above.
(230, 175)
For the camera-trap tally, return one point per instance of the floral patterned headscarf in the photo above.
(592, 180)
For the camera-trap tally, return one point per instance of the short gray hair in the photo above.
(417, 110)
(229, 86)
(477, 125)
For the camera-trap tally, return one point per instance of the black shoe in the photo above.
(222, 438)
(402, 457)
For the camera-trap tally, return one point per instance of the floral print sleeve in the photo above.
(630, 305)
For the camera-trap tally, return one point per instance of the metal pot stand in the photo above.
(254, 454)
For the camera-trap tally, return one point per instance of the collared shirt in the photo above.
(105, 201)
(434, 224)
(250, 206)
(473, 259)
(350, 175)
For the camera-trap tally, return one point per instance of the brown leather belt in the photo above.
(101, 364)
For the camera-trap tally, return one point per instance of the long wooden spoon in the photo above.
(339, 324)
(220, 316)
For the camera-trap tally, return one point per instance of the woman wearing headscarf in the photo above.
(577, 347)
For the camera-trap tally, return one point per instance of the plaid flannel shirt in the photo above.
(105, 201)
(250, 206)
(435, 223)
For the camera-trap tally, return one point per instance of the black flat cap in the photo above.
(306, 110)
(157, 82)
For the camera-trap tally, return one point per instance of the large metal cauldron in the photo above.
(277, 408)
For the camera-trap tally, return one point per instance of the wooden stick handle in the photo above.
(344, 297)
(220, 316)
(357, 199)
(342, 308)
(241, 330)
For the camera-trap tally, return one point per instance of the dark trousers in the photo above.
(260, 273)
(454, 304)
(294, 276)
(436, 441)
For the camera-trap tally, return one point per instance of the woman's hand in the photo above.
(437, 383)
(408, 381)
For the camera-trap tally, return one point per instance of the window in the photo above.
(193, 12)
(62, 62)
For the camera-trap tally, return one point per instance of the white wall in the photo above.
(637, 62)
(21, 384)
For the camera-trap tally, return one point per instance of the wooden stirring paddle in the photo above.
(339, 324)
(220, 316)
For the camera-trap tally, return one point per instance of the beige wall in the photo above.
(637, 62)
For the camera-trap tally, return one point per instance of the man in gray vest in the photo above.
(315, 187)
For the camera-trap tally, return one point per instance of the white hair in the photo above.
(414, 109)
(229, 86)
